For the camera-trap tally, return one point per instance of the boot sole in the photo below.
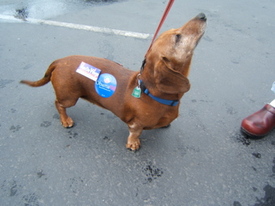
(254, 136)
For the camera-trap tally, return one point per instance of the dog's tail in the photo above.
(43, 81)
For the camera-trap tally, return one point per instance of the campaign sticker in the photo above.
(105, 85)
(88, 71)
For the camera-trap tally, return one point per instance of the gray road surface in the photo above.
(202, 159)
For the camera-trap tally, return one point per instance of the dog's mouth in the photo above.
(195, 27)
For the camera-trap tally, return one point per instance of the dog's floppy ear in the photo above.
(169, 80)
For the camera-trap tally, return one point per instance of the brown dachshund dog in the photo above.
(146, 99)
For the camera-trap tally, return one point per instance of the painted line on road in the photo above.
(79, 26)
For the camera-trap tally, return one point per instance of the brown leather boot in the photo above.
(260, 123)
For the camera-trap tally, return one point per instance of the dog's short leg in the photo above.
(133, 141)
(66, 121)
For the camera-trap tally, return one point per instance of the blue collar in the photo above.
(162, 101)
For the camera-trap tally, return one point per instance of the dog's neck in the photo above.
(149, 82)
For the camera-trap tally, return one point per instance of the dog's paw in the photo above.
(133, 145)
(67, 123)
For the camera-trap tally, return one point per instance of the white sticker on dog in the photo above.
(88, 71)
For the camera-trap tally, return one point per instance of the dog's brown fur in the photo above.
(164, 75)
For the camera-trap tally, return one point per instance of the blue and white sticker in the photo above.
(105, 85)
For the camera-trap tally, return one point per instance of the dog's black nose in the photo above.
(201, 16)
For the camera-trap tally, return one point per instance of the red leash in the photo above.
(168, 7)
(137, 90)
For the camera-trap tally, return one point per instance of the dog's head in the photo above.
(171, 54)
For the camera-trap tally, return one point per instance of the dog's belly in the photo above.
(150, 115)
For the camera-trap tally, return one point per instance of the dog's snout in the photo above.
(201, 16)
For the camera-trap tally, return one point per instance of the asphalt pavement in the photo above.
(201, 160)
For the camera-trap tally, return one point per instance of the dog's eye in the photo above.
(165, 59)
(177, 38)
